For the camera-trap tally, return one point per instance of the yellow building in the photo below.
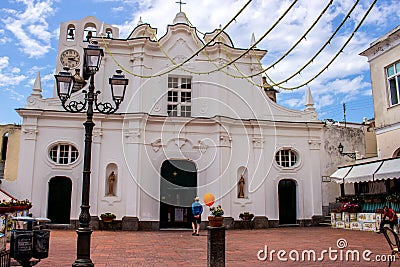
(9, 143)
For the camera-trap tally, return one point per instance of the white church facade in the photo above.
(182, 131)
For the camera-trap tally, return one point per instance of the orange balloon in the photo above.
(209, 199)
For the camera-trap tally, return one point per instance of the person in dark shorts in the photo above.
(197, 210)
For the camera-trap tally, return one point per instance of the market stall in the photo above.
(374, 184)
(361, 221)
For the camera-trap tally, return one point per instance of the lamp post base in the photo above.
(83, 263)
(83, 248)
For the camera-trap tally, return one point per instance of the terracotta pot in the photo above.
(215, 221)
(4, 210)
(247, 217)
(107, 219)
(22, 207)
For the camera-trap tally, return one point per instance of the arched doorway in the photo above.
(59, 200)
(178, 187)
(287, 202)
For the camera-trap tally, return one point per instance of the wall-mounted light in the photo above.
(349, 154)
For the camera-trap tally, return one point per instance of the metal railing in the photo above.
(5, 258)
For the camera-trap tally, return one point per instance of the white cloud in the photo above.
(324, 100)
(3, 62)
(15, 70)
(30, 26)
(294, 103)
(10, 78)
(117, 9)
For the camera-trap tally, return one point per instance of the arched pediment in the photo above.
(222, 38)
(180, 39)
(143, 30)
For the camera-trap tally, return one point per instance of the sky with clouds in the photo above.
(29, 38)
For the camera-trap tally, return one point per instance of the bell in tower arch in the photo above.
(71, 34)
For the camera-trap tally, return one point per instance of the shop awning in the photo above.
(390, 169)
(339, 174)
(368, 172)
(362, 172)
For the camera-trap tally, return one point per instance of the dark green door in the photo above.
(287, 201)
(59, 200)
(178, 187)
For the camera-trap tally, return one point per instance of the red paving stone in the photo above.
(180, 248)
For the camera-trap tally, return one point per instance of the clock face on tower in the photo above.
(70, 58)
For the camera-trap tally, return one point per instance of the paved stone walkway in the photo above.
(180, 248)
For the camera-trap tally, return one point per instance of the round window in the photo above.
(63, 153)
(286, 158)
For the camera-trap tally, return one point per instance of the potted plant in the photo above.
(5, 207)
(246, 216)
(107, 217)
(14, 205)
(216, 218)
(350, 207)
(21, 204)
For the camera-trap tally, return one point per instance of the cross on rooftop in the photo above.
(180, 5)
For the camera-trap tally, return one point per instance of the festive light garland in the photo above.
(303, 37)
(108, 51)
(251, 49)
(281, 58)
(323, 47)
(333, 58)
(206, 45)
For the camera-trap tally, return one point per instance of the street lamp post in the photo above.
(65, 87)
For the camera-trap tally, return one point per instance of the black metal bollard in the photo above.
(216, 247)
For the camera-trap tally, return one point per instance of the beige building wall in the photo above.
(385, 115)
(389, 143)
(384, 52)
(371, 148)
(353, 140)
(11, 159)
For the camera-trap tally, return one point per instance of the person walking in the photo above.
(388, 217)
(197, 210)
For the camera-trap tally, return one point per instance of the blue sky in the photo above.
(29, 38)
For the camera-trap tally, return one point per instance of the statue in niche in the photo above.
(111, 181)
(241, 187)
